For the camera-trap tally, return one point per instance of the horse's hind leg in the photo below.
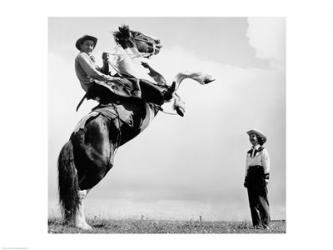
(94, 157)
(95, 154)
(80, 219)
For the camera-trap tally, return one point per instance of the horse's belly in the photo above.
(81, 124)
(148, 119)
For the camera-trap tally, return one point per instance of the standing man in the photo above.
(256, 179)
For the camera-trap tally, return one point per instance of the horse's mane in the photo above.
(122, 34)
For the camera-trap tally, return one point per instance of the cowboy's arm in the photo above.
(90, 69)
(105, 69)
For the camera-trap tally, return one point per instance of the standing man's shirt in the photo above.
(258, 156)
(87, 71)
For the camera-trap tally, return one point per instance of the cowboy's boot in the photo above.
(167, 95)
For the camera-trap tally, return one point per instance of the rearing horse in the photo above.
(89, 154)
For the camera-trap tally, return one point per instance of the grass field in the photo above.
(102, 226)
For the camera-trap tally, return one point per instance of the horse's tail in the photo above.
(68, 182)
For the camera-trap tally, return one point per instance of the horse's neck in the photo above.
(127, 62)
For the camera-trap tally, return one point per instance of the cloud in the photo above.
(267, 36)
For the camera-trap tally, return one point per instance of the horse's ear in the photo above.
(124, 30)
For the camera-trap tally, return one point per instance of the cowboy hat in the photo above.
(258, 134)
(84, 38)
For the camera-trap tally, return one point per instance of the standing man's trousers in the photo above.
(257, 192)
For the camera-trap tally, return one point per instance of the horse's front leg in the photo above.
(179, 105)
(158, 78)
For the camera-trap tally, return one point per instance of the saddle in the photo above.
(110, 111)
(106, 91)
(129, 90)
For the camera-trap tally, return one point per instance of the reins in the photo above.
(140, 54)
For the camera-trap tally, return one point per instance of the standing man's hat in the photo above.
(258, 134)
(85, 38)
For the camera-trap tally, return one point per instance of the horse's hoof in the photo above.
(208, 80)
(83, 226)
(180, 111)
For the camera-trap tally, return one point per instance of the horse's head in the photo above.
(146, 45)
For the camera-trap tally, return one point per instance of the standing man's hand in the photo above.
(266, 178)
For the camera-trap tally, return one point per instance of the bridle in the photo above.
(151, 45)
(133, 38)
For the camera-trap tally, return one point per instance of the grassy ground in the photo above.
(103, 226)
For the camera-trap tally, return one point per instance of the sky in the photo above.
(195, 165)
